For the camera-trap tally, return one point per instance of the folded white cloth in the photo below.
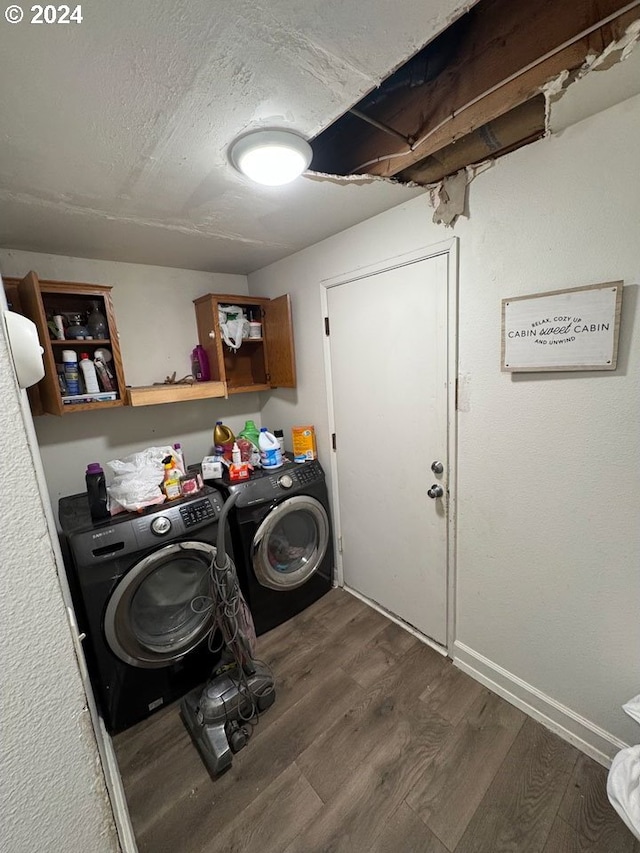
(623, 782)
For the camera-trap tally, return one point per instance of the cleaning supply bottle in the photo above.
(250, 432)
(200, 364)
(179, 456)
(236, 456)
(96, 491)
(279, 434)
(270, 453)
(71, 376)
(222, 435)
(89, 374)
(171, 484)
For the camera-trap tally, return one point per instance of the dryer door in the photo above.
(290, 544)
(159, 611)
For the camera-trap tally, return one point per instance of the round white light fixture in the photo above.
(271, 157)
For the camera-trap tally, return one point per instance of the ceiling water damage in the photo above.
(129, 161)
(479, 90)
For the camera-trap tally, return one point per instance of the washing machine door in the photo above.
(290, 544)
(158, 612)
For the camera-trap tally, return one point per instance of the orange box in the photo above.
(303, 440)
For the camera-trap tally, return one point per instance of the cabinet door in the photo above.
(278, 334)
(31, 303)
(209, 335)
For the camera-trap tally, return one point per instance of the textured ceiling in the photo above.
(115, 131)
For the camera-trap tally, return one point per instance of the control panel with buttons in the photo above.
(196, 513)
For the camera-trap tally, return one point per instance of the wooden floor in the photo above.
(375, 743)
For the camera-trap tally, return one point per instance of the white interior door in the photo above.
(388, 351)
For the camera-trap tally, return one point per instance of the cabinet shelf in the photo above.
(245, 389)
(77, 342)
(90, 407)
(153, 395)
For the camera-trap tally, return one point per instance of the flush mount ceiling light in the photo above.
(271, 157)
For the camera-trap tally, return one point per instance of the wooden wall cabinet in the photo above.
(41, 300)
(260, 363)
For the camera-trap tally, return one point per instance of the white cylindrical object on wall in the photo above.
(25, 348)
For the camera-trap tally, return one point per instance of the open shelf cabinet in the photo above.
(40, 301)
(260, 363)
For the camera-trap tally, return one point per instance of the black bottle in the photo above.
(96, 492)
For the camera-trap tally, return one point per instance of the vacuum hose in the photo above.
(221, 558)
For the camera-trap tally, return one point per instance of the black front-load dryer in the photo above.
(282, 540)
(133, 579)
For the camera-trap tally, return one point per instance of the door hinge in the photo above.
(340, 544)
(326, 326)
(333, 440)
(268, 379)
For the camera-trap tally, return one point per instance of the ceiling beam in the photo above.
(518, 127)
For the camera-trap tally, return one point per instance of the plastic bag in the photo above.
(233, 325)
(623, 781)
(623, 787)
(137, 480)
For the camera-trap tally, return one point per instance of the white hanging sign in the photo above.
(574, 329)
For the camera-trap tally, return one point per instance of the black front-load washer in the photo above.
(133, 579)
(282, 540)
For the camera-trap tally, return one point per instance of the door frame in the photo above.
(450, 249)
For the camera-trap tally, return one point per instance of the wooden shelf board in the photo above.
(243, 389)
(71, 409)
(152, 395)
(74, 342)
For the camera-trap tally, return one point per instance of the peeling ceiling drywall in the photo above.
(599, 86)
(115, 130)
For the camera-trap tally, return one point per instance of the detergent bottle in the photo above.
(96, 491)
(222, 436)
(270, 453)
(200, 364)
(250, 432)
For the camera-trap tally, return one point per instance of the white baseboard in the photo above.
(578, 731)
(422, 637)
(116, 794)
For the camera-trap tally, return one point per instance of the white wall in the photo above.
(548, 537)
(53, 794)
(156, 321)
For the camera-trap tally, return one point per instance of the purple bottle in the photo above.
(200, 364)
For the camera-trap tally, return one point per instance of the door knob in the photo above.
(436, 491)
(437, 467)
